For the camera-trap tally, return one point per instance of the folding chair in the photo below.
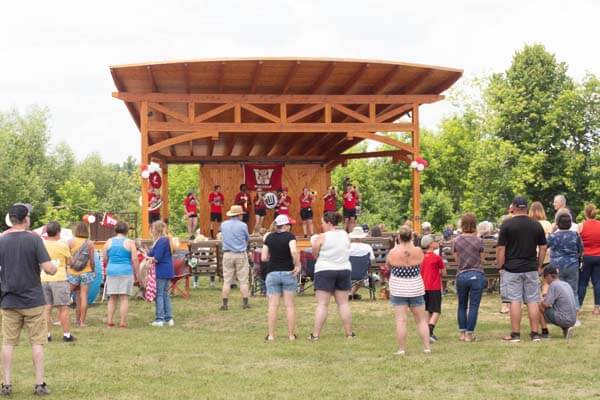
(307, 273)
(257, 273)
(360, 273)
(182, 273)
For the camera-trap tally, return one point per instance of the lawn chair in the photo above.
(257, 273)
(182, 273)
(360, 273)
(307, 273)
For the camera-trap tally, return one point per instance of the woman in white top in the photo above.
(332, 273)
(407, 288)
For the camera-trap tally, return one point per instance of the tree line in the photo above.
(531, 130)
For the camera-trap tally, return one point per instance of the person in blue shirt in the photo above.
(566, 250)
(235, 255)
(161, 253)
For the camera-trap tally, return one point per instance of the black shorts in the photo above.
(330, 281)
(306, 214)
(349, 212)
(246, 217)
(153, 217)
(433, 301)
(216, 217)
(193, 216)
(261, 212)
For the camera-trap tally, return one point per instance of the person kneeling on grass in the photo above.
(56, 287)
(280, 251)
(558, 306)
(432, 270)
(161, 253)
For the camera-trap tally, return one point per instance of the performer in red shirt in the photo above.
(306, 214)
(154, 203)
(283, 207)
(330, 200)
(260, 209)
(351, 198)
(190, 209)
(216, 200)
(243, 199)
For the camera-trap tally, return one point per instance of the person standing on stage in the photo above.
(154, 203)
(351, 198)
(260, 209)
(330, 200)
(216, 200)
(243, 199)
(306, 214)
(284, 203)
(190, 209)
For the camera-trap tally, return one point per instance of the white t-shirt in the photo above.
(334, 254)
(358, 249)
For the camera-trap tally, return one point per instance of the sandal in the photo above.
(292, 337)
(123, 326)
(313, 338)
(470, 338)
(399, 353)
(269, 338)
(110, 325)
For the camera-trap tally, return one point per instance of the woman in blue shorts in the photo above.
(279, 251)
(407, 288)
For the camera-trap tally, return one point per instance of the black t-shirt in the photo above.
(521, 235)
(279, 250)
(21, 254)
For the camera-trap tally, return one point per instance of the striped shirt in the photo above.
(406, 281)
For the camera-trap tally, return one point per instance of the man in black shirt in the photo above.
(22, 253)
(520, 253)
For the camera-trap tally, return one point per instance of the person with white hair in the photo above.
(560, 206)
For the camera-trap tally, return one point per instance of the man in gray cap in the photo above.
(22, 253)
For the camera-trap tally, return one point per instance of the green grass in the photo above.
(222, 355)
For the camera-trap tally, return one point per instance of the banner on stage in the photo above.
(263, 176)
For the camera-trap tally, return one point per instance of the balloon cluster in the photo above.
(152, 172)
(419, 164)
(89, 218)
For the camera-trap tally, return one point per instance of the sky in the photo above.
(56, 53)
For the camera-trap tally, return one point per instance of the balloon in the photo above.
(420, 167)
(413, 164)
(155, 180)
(143, 167)
(425, 163)
(91, 219)
(7, 221)
(145, 174)
(154, 167)
(86, 218)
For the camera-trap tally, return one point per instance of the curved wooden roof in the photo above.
(274, 76)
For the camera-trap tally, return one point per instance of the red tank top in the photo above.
(350, 200)
(590, 235)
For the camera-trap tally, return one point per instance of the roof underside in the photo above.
(273, 76)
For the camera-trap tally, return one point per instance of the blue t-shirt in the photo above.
(565, 248)
(119, 258)
(161, 251)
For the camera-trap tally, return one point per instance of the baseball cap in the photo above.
(19, 211)
(426, 241)
(283, 220)
(519, 202)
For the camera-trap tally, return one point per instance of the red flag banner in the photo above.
(263, 176)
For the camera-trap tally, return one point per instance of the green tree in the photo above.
(182, 179)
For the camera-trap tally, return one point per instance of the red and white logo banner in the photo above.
(263, 176)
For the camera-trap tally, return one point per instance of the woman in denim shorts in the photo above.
(279, 251)
(81, 280)
(407, 288)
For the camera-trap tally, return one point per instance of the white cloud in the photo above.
(57, 53)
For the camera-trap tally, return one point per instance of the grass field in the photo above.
(221, 355)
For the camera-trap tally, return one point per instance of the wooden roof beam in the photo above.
(351, 83)
(379, 87)
(130, 107)
(271, 127)
(256, 76)
(289, 77)
(186, 78)
(220, 76)
(236, 159)
(323, 78)
(410, 88)
(159, 113)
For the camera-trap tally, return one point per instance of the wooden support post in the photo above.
(145, 159)
(416, 175)
(165, 191)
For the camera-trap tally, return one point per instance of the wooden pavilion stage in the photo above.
(302, 113)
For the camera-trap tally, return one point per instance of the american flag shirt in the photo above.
(406, 281)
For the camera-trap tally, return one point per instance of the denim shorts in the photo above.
(84, 278)
(280, 281)
(407, 301)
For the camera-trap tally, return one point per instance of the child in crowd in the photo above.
(558, 306)
(432, 270)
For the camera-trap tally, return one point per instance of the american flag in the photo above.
(406, 282)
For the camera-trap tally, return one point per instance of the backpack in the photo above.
(81, 257)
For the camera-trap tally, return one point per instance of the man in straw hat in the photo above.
(235, 256)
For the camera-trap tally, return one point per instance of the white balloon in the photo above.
(7, 221)
(145, 174)
(153, 167)
(413, 164)
(420, 167)
(91, 219)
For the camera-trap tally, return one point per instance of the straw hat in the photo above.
(357, 233)
(235, 210)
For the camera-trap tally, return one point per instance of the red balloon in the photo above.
(155, 180)
(85, 218)
(425, 162)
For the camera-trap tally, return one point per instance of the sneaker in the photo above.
(224, 307)
(313, 338)
(577, 324)
(69, 338)
(399, 353)
(41, 390)
(245, 306)
(568, 333)
(157, 323)
(535, 337)
(512, 338)
(545, 335)
(171, 322)
(49, 338)
(427, 351)
(5, 390)
(351, 336)
(433, 338)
